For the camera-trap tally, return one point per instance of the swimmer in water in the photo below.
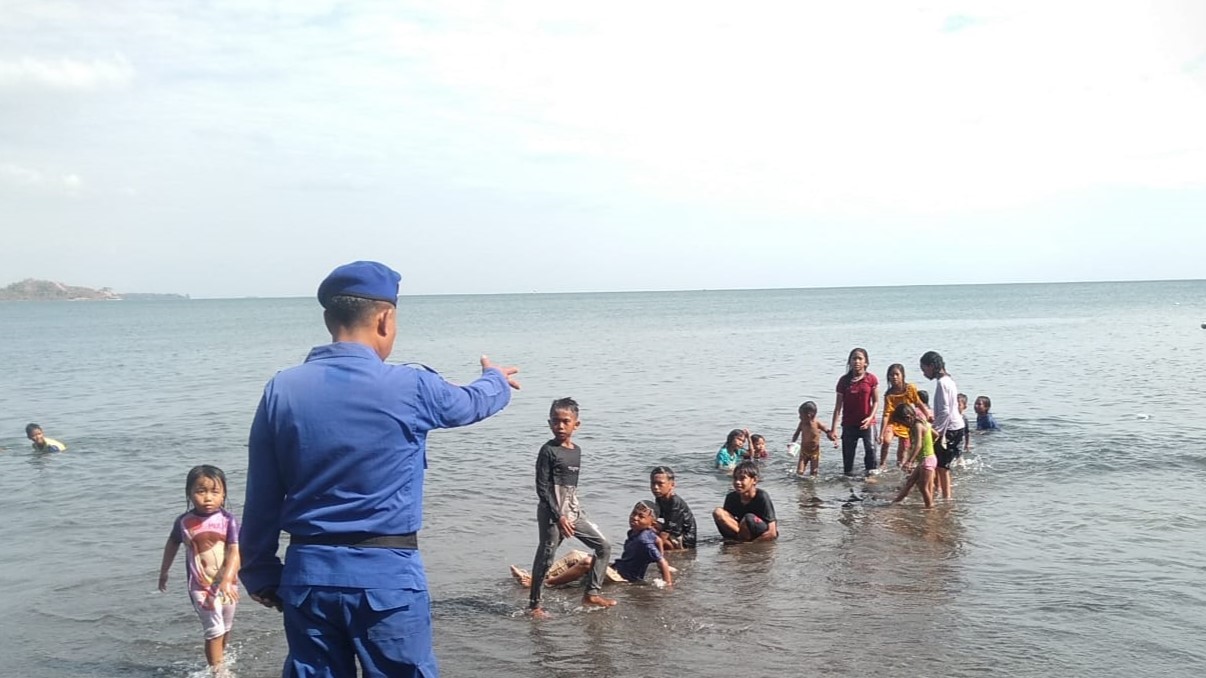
(40, 442)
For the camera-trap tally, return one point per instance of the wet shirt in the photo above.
(557, 480)
(726, 459)
(856, 398)
(49, 445)
(946, 406)
(986, 422)
(338, 447)
(205, 538)
(676, 519)
(927, 443)
(893, 400)
(640, 551)
(760, 505)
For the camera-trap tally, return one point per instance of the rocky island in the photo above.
(46, 290)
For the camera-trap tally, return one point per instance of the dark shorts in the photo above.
(756, 525)
(949, 448)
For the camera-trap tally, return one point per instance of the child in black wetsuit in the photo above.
(676, 523)
(558, 514)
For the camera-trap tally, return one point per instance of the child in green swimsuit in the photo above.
(920, 458)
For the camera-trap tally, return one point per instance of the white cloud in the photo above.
(30, 179)
(15, 175)
(66, 74)
(795, 107)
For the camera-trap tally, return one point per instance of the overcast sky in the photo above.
(243, 148)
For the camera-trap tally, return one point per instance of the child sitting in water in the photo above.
(757, 448)
(747, 514)
(921, 461)
(676, 524)
(733, 450)
(984, 419)
(808, 432)
(640, 550)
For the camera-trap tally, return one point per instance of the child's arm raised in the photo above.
(169, 554)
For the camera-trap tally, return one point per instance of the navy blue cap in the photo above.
(363, 279)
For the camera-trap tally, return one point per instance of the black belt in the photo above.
(359, 539)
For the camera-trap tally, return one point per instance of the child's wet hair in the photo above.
(662, 471)
(808, 408)
(731, 440)
(924, 395)
(644, 508)
(756, 437)
(746, 469)
(933, 359)
(568, 404)
(209, 473)
(30, 428)
(899, 368)
(986, 400)
(850, 359)
(904, 414)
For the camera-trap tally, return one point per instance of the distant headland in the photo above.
(45, 290)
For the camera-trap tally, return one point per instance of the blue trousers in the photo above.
(329, 628)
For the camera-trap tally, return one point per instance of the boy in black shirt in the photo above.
(676, 523)
(558, 514)
(747, 514)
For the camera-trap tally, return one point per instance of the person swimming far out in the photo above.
(40, 442)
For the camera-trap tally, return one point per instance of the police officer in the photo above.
(336, 459)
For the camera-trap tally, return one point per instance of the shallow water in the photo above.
(1074, 545)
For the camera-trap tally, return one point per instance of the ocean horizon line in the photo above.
(709, 290)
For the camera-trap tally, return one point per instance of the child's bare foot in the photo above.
(596, 599)
(538, 613)
(523, 578)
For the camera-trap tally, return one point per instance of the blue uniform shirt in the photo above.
(338, 446)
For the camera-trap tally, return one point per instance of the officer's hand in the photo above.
(268, 598)
(508, 372)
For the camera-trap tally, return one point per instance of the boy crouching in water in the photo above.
(748, 513)
(558, 514)
(675, 522)
(640, 551)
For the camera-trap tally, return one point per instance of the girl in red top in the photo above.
(857, 400)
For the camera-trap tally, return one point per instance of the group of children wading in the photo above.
(929, 441)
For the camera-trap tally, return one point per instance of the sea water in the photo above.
(1075, 544)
